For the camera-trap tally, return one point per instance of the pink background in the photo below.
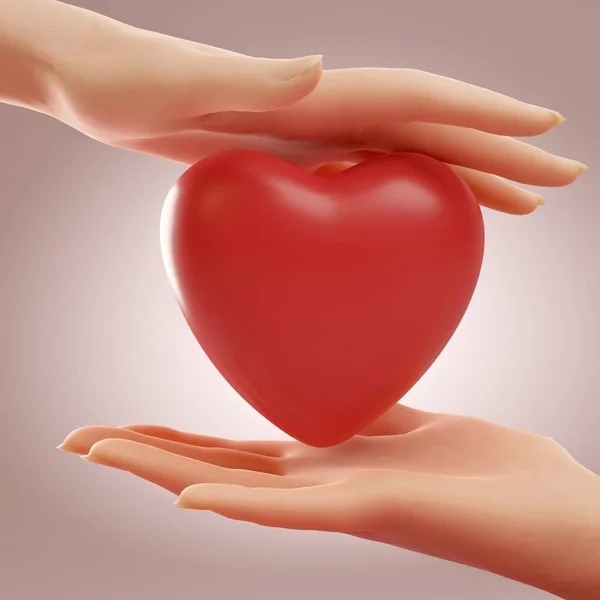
(90, 333)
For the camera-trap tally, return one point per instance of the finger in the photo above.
(400, 419)
(502, 156)
(81, 440)
(491, 191)
(226, 82)
(498, 194)
(348, 98)
(172, 471)
(268, 448)
(330, 507)
(494, 154)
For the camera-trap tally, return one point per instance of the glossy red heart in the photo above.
(322, 301)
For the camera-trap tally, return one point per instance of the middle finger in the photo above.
(486, 152)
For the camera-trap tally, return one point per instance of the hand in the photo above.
(136, 99)
(458, 488)
(182, 100)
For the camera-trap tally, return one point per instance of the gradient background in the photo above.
(91, 334)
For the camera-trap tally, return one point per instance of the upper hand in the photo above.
(458, 488)
(183, 100)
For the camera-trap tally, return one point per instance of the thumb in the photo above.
(329, 507)
(244, 83)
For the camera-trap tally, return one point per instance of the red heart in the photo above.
(322, 301)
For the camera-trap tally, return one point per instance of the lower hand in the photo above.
(458, 488)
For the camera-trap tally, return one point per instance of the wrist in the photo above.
(569, 565)
(578, 578)
(26, 76)
(40, 40)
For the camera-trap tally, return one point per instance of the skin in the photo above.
(182, 100)
(506, 501)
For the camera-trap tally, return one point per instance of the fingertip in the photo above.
(309, 66)
(182, 503)
(92, 458)
(514, 210)
(213, 496)
(109, 450)
(73, 443)
(254, 84)
(287, 82)
(95, 452)
(573, 171)
(532, 205)
(192, 497)
(305, 76)
(557, 118)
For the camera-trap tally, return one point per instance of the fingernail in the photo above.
(188, 498)
(92, 459)
(301, 67)
(540, 200)
(579, 167)
(558, 118)
(67, 447)
(181, 503)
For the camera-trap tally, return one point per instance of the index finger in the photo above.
(408, 95)
(347, 98)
